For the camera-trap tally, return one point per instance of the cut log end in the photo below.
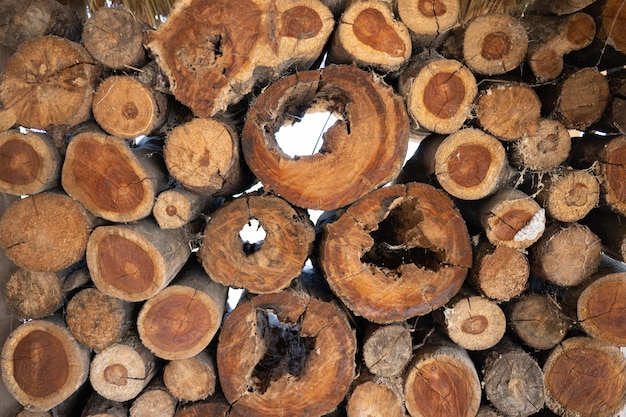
(33, 295)
(570, 196)
(538, 321)
(387, 350)
(546, 149)
(499, 272)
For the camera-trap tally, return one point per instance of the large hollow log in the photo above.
(398, 252)
(363, 150)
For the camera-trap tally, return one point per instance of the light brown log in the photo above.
(569, 195)
(508, 110)
(442, 381)
(513, 381)
(387, 349)
(611, 24)
(48, 81)
(611, 174)
(97, 320)
(204, 155)
(29, 163)
(191, 379)
(213, 408)
(45, 232)
(375, 398)
(585, 377)
(154, 401)
(544, 150)
(266, 266)
(121, 371)
(181, 320)
(42, 364)
(213, 60)
(135, 261)
(126, 108)
(34, 295)
(611, 229)
(498, 272)
(369, 36)
(566, 255)
(114, 38)
(538, 321)
(400, 251)
(98, 406)
(439, 93)
(267, 366)
(344, 169)
(176, 207)
(428, 20)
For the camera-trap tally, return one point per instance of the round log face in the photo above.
(363, 150)
(399, 252)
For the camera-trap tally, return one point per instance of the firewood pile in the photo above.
(484, 276)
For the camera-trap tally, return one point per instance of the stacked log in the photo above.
(483, 275)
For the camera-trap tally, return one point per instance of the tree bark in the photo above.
(204, 155)
(268, 366)
(28, 227)
(191, 379)
(42, 364)
(135, 261)
(180, 320)
(585, 377)
(120, 184)
(29, 163)
(34, 295)
(544, 150)
(177, 207)
(387, 349)
(400, 251)
(213, 60)
(428, 21)
(154, 401)
(366, 108)
(268, 265)
(43, 73)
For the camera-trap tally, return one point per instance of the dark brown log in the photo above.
(114, 38)
(181, 320)
(135, 261)
(191, 379)
(375, 398)
(29, 163)
(566, 255)
(42, 364)
(400, 251)
(538, 321)
(344, 169)
(211, 408)
(428, 21)
(110, 179)
(267, 366)
(98, 406)
(439, 93)
(488, 411)
(30, 225)
(442, 381)
(420, 167)
(612, 19)
(610, 162)
(387, 349)
(268, 265)
(215, 58)
(559, 7)
(176, 207)
(48, 81)
(34, 295)
(545, 149)
(569, 195)
(369, 36)
(154, 401)
(611, 229)
(585, 377)
(97, 320)
(204, 155)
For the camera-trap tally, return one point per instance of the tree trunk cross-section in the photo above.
(213, 52)
(363, 150)
(399, 252)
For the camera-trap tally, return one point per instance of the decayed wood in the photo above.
(344, 169)
(439, 93)
(180, 320)
(538, 321)
(442, 381)
(48, 81)
(213, 53)
(120, 184)
(428, 20)
(566, 255)
(28, 227)
(121, 371)
(585, 377)
(543, 150)
(98, 320)
(42, 364)
(98, 406)
(569, 195)
(114, 38)
(204, 155)
(135, 261)
(398, 252)
(267, 366)
(191, 379)
(387, 349)
(154, 401)
(126, 108)
(260, 267)
(29, 163)
(369, 36)
(176, 207)
(374, 398)
(34, 295)
(611, 229)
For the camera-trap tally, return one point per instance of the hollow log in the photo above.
(400, 251)
(191, 379)
(367, 109)
(34, 295)
(177, 207)
(387, 349)
(154, 401)
(428, 21)
(544, 150)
